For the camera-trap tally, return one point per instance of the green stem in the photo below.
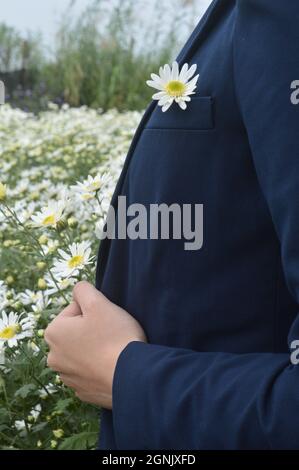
(40, 249)
(6, 401)
(33, 376)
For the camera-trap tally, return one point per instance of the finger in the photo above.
(71, 310)
(89, 299)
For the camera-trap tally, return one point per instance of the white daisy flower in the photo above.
(14, 328)
(71, 263)
(174, 85)
(51, 247)
(35, 412)
(40, 304)
(88, 189)
(60, 285)
(24, 209)
(29, 297)
(20, 425)
(51, 215)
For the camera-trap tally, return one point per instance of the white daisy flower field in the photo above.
(58, 171)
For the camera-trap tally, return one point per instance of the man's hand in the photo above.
(85, 341)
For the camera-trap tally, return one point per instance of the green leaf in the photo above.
(3, 427)
(45, 373)
(2, 383)
(39, 427)
(25, 390)
(4, 413)
(62, 405)
(81, 441)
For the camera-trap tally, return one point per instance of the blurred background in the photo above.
(97, 53)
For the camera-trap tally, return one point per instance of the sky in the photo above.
(44, 15)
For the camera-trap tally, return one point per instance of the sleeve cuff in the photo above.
(130, 395)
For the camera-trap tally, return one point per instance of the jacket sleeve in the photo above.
(179, 399)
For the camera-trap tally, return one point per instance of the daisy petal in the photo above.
(183, 73)
(182, 105)
(153, 84)
(167, 72)
(175, 71)
(193, 82)
(166, 107)
(191, 71)
(159, 95)
(165, 100)
(157, 79)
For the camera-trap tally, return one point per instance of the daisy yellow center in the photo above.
(10, 332)
(175, 88)
(75, 261)
(50, 220)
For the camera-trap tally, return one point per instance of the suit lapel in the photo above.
(186, 52)
(196, 35)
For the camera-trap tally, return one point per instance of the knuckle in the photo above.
(51, 361)
(47, 335)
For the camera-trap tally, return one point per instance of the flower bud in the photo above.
(61, 225)
(58, 433)
(53, 444)
(41, 265)
(41, 283)
(3, 192)
(72, 222)
(43, 239)
(10, 280)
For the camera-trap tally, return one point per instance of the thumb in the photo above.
(89, 299)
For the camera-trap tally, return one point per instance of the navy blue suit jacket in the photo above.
(216, 373)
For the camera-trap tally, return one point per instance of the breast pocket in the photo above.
(197, 116)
